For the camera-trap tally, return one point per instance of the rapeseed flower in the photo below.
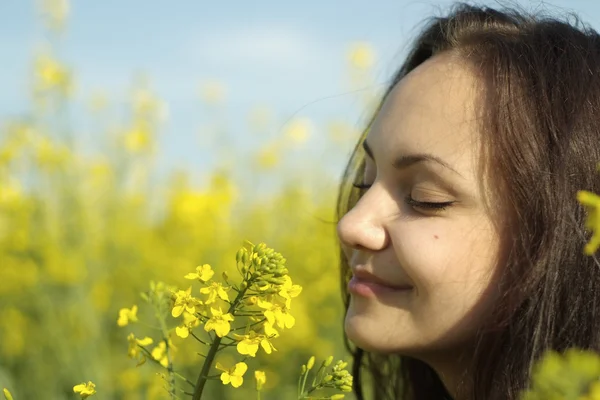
(261, 379)
(185, 301)
(233, 375)
(85, 390)
(275, 314)
(134, 347)
(591, 202)
(127, 315)
(159, 353)
(248, 344)
(203, 273)
(219, 322)
(215, 289)
(189, 321)
(288, 290)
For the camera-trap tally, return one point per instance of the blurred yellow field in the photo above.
(82, 235)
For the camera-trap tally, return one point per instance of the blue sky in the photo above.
(288, 55)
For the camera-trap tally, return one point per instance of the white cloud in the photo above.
(272, 47)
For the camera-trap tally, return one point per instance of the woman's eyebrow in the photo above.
(406, 161)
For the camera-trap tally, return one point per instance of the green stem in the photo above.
(210, 357)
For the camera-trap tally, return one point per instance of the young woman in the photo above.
(462, 240)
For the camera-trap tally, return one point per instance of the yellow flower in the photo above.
(248, 344)
(288, 291)
(261, 379)
(275, 314)
(591, 201)
(126, 315)
(298, 130)
(219, 322)
(269, 330)
(203, 273)
(233, 375)
(215, 289)
(189, 321)
(7, 394)
(52, 75)
(134, 349)
(85, 390)
(138, 137)
(159, 353)
(361, 55)
(184, 301)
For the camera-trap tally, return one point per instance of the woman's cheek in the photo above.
(425, 251)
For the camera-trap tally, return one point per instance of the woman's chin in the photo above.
(365, 333)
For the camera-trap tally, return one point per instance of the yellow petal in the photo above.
(240, 369)
(236, 381)
(225, 378)
(177, 310)
(182, 331)
(145, 341)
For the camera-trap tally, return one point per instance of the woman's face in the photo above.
(422, 148)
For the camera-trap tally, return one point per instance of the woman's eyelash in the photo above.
(412, 202)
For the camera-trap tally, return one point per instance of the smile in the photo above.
(366, 288)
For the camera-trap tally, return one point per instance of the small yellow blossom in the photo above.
(261, 379)
(219, 322)
(233, 375)
(159, 353)
(269, 330)
(85, 390)
(215, 289)
(203, 273)
(189, 321)
(361, 55)
(298, 130)
(275, 314)
(248, 344)
(7, 394)
(288, 291)
(134, 349)
(127, 315)
(591, 202)
(185, 301)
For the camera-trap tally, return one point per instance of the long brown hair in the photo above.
(540, 131)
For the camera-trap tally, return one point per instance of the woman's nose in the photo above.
(362, 227)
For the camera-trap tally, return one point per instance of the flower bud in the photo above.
(337, 396)
(239, 255)
(311, 362)
(225, 276)
(327, 378)
(346, 388)
(303, 369)
(328, 361)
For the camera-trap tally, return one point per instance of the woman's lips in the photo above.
(368, 288)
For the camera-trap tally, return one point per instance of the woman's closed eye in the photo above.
(363, 187)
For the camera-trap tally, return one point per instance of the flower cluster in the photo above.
(337, 378)
(224, 315)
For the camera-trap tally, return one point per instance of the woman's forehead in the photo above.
(433, 110)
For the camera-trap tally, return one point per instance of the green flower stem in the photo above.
(304, 382)
(177, 374)
(198, 339)
(210, 357)
(171, 373)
